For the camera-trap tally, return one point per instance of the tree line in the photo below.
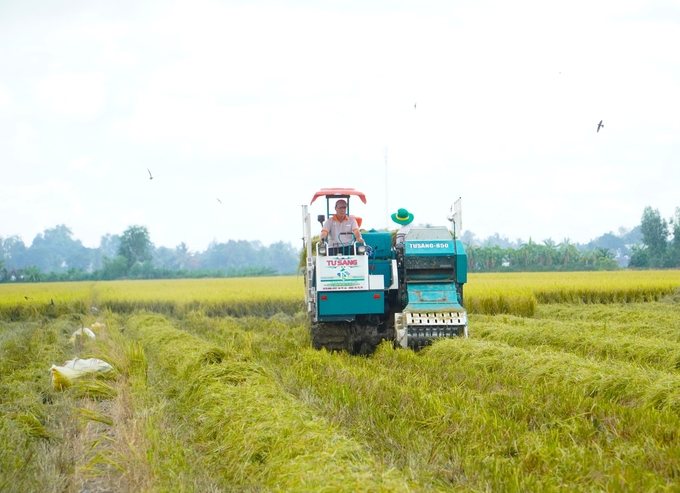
(661, 241)
(532, 256)
(55, 255)
(654, 244)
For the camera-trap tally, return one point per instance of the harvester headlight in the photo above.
(361, 249)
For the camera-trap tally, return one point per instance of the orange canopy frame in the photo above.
(339, 193)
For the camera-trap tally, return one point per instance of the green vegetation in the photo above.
(657, 251)
(55, 256)
(583, 394)
(535, 257)
(135, 246)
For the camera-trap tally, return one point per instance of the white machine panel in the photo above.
(342, 273)
(376, 282)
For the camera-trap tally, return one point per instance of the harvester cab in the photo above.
(361, 294)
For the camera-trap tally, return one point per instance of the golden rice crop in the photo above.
(579, 287)
(487, 293)
(19, 301)
(492, 303)
(42, 292)
(263, 296)
(520, 293)
(208, 290)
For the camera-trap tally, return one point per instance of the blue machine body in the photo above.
(435, 268)
(410, 293)
(432, 298)
(344, 305)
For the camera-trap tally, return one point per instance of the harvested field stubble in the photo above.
(476, 414)
(55, 441)
(251, 433)
(503, 418)
(646, 334)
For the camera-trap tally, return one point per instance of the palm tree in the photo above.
(471, 251)
(483, 257)
(602, 253)
(549, 251)
(182, 256)
(589, 257)
(568, 251)
(515, 257)
(499, 256)
(529, 253)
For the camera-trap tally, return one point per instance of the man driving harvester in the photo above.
(338, 230)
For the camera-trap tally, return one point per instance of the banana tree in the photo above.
(31, 274)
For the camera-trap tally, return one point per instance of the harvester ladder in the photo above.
(309, 273)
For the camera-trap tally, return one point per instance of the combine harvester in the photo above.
(376, 291)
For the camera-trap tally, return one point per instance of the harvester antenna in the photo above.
(387, 211)
(456, 217)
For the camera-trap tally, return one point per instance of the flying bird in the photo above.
(599, 125)
(28, 298)
(414, 106)
(219, 201)
(150, 175)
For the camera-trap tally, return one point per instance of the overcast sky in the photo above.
(260, 104)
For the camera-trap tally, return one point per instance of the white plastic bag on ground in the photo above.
(65, 376)
(84, 332)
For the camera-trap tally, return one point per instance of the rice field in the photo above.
(487, 293)
(568, 382)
